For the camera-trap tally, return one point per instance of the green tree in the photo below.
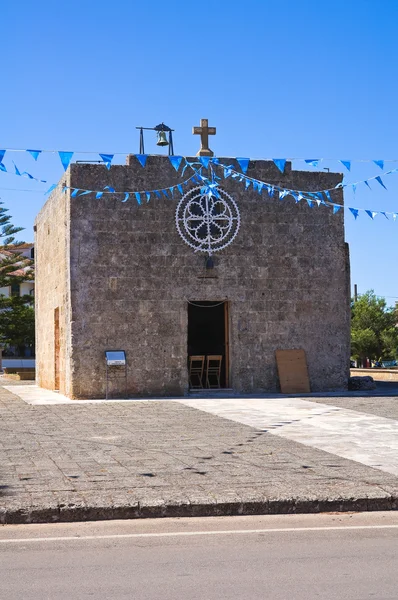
(17, 323)
(11, 260)
(16, 312)
(374, 334)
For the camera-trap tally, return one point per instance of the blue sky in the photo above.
(298, 78)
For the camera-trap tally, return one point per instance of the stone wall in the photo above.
(52, 290)
(377, 374)
(286, 277)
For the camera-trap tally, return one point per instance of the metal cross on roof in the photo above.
(204, 131)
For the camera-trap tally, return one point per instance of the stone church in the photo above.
(169, 278)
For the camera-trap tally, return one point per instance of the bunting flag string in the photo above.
(210, 187)
(66, 158)
(204, 161)
(16, 171)
(314, 162)
(312, 198)
(167, 192)
(229, 170)
(107, 158)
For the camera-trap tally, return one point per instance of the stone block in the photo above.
(357, 383)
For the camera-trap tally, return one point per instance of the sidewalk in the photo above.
(162, 458)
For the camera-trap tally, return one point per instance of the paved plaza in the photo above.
(367, 439)
(90, 460)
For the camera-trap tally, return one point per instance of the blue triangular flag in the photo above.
(141, 159)
(17, 171)
(394, 216)
(283, 194)
(98, 195)
(138, 197)
(379, 179)
(354, 211)
(227, 172)
(367, 183)
(75, 192)
(157, 193)
(85, 192)
(126, 197)
(243, 163)
(148, 196)
(354, 187)
(2, 153)
(175, 161)
(165, 193)
(3, 167)
(336, 208)
(280, 163)
(312, 161)
(247, 183)
(34, 153)
(270, 190)
(328, 196)
(385, 214)
(309, 202)
(51, 188)
(65, 157)
(379, 163)
(205, 161)
(347, 164)
(179, 188)
(371, 213)
(26, 174)
(110, 188)
(107, 158)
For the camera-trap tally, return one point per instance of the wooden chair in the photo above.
(196, 369)
(213, 370)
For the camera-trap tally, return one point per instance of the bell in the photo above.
(162, 139)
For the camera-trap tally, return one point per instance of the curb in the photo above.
(68, 513)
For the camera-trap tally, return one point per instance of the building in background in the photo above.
(25, 287)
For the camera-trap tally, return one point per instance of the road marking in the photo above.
(192, 533)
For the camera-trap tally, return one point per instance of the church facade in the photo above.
(119, 275)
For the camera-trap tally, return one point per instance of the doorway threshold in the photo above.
(211, 393)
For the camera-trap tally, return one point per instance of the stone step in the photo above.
(211, 393)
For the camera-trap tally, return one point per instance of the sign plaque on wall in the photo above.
(115, 358)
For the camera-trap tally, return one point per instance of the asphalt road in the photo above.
(328, 557)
